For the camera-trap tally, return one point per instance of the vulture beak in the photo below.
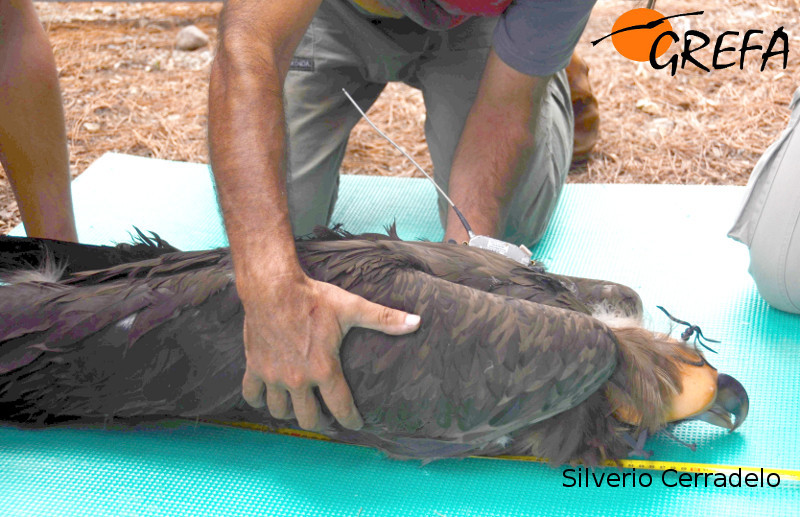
(715, 398)
(730, 407)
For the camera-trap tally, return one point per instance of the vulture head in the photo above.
(508, 360)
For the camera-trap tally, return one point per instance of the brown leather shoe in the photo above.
(584, 106)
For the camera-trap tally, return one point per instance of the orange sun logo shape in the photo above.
(634, 33)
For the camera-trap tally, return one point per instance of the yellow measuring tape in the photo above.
(677, 466)
(299, 433)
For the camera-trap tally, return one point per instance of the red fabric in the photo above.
(476, 7)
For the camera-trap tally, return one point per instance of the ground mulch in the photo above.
(127, 89)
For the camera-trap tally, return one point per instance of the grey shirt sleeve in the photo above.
(537, 37)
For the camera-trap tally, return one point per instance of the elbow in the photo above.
(243, 58)
(242, 71)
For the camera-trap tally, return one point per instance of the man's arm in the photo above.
(293, 324)
(495, 148)
(33, 140)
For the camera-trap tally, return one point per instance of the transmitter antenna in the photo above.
(519, 254)
(438, 188)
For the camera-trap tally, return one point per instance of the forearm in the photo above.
(247, 144)
(293, 325)
(247, 140)
(495, 149)
(33, 142)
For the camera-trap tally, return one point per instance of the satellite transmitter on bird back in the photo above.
(519, 254)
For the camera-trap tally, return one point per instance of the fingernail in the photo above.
(412, 320)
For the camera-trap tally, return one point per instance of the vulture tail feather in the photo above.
(34, 254)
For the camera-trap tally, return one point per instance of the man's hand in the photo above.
(292, 335)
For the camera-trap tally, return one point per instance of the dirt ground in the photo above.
(127, 89)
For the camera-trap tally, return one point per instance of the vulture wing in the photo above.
(481, 366)
(507, 360)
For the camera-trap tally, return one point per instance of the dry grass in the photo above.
(695, 127)
(127, 89)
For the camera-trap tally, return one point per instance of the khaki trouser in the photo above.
(769, 223)
(344, 48)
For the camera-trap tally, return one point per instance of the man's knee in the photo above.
(584, 107)
(775, 268)
(769, 222)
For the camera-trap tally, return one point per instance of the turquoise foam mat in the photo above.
(668, 242)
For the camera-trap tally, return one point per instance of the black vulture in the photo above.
(509, 360)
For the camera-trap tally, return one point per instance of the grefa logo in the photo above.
(646, 35)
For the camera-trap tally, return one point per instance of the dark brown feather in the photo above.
(507, 360)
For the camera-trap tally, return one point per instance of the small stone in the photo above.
(648, 106)
(660, 127)
(191, 38)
